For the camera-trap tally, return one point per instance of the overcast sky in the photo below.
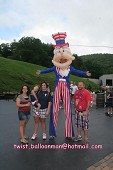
(86, 22)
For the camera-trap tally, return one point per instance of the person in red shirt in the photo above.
(82, 100)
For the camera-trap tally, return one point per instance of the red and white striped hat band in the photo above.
(59, 35)
(60, 39)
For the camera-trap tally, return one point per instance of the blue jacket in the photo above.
(58, 76)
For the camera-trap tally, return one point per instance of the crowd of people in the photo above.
(39, 100)
(108, 95)
(109, 102)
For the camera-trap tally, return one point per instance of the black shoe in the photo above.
(110, 115)
(51, 137)
(106, 114)
(68, 138)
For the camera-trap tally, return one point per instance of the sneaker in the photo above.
(34, 136)
(77, 139)
(44, 136)
(24, 141)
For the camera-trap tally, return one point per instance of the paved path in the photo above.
(72, 157)
(104, 164)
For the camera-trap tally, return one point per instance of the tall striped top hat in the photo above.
(60, 39)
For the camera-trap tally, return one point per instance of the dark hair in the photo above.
(28, 89)
(43, 82)
(82, 82)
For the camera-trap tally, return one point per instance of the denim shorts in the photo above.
(24, 115)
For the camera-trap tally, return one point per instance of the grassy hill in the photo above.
(13, 74)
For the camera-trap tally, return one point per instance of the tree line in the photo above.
(28, 49)
(32, 50)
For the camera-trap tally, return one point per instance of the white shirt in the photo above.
(74, 88)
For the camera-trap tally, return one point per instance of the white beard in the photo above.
(64, 73)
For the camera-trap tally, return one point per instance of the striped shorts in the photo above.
(81, 121)
(40, 114)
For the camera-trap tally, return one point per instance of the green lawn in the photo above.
(13, 74)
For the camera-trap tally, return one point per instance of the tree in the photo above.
(94, 68)
(78, 63)
(5, 50)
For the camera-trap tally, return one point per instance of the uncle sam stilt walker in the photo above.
(62, 68)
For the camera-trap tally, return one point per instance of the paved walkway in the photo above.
(98, 155)
(104, 164)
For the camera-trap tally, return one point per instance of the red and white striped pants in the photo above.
(62, 90)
